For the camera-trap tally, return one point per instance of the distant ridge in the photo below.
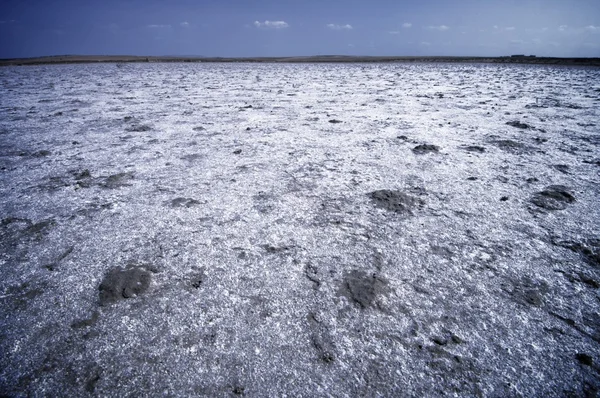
(73, 59)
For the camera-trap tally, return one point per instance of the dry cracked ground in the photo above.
(299, 230)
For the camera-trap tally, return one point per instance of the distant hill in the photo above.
(71, 59)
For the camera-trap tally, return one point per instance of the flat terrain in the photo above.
(243, 229)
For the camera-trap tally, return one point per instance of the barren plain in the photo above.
(299, 230)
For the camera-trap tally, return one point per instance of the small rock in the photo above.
(237, 151)
(425, 148)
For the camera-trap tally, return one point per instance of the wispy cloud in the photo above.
(184, 24)
(158, 26)
(9, 21)
(407, 25)
(333, 26)
(394, 32)
(441, 28)
(509, 28)
(271, 24)
(592, 28)
(562, 28)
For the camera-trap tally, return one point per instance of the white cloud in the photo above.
(441, 28)
(339, 27)
(271, 24)
(562, 28)
(159, 26)
(495, 26)
(407, 25)
(510, 28)
(185, 24)
(425, 43)
(592, 28)
(394, 32)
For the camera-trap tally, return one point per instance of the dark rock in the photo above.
(312, 274)
(237, 151)
(446, 338)
(39, 229)
(472, 178)
(425, 148)
(504, 198)
(117, 180)
(510, 145)
(184, 202)
(82, 174)
(52, 266)
(335, 121)
(563, 168)
(274, 249)
(120, 284)
(519, 125)
(474, 148)
(527, 291)
(90, 384)
(198, 279)
(395, 201)
(363, 288)
(42, 153)
(192, 157)
(594, 162)
(139, 128)
(321, 339)
(554, 197)
(588, 249)
(84, 323)
(584, 359)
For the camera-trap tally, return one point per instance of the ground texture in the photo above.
(300, 230)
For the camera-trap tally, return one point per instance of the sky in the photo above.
(248, 28)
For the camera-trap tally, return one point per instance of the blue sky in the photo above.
(243, 28)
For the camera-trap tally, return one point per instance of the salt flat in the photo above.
(300, 230)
